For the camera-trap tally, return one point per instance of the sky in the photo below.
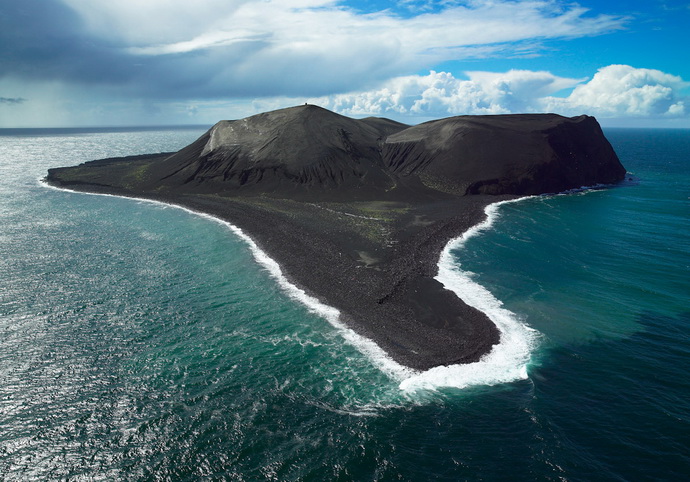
(79, 63)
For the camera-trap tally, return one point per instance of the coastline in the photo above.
(331, 314)
(357, 212)
(295, 362)
(395, 302)
(506, 361)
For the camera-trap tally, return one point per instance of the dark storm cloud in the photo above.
(45, 40)
(12, 100)
(212, 50)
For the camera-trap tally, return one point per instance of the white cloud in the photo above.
(616, 91)
(150, 22)
(441, 94)
(620, 93)
(248, 47)
(625, 91)
(162, 23)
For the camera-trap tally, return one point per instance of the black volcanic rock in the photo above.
(357, 211)
(294, 151)
(308, 151)
(505, 154)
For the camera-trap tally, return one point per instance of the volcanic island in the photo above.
(357, 211)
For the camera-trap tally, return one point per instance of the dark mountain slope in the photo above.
(506, 154)
(296, 151)
(310, 153)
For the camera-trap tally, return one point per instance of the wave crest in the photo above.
(508, 359)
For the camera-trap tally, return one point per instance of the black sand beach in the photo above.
(357, 212)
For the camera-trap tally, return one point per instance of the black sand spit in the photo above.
(356, 212)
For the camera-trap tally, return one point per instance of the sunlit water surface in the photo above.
(139, 341)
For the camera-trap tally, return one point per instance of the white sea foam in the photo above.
(508, 359)
(331, 314)
(506, 362)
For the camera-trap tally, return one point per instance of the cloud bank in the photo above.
(623, 91)
(174, 61)
(614, 91)
(173, 49)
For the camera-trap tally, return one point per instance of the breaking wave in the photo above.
(508, 359)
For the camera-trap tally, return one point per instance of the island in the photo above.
(357, 211)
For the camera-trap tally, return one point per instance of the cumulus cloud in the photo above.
(614, 91)
(441, 94)
(246, 48)
(625, 91)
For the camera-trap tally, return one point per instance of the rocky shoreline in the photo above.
(387, 295)
(357, 212)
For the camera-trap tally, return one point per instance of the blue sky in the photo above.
(158, 62)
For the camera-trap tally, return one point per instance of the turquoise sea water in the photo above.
(143, 342)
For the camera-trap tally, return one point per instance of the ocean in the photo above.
(144, 342)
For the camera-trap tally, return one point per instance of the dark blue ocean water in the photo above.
(143, 342)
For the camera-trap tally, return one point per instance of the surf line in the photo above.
(364, 345)
(506, 361)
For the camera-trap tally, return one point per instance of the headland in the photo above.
(356, 212)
